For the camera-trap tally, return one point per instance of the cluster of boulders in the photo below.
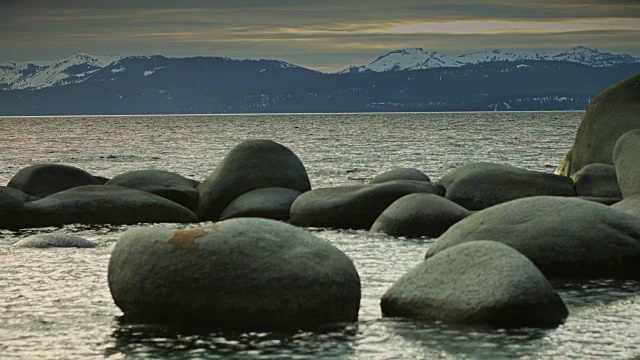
(502, 231)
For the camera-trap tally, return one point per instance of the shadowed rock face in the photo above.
(55, 241)
(241, 273)
(476, 186)
(270, 203)
(353, 207)
(563, 237)
(105, 204)
(626, 157)
(400, 174)
(251, 165)
(480, 282)
(418, 215)
(167, 184)
(41, 180)
(12, 214)
(609, 115)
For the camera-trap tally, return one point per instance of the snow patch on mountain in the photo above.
(151, 72)
(594, 57)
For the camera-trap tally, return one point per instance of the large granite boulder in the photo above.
(251, 165)
(418, 215)
(105, 204)
(353, 207)
(481, 282)
(597, 180)
(400, 174)
(630, 205)
(45, 179)
(269, 203)
(563, 237)
(55, 240)
(626, 157)
(244, 273)
(12, 215)
(167, 184)
(609, 115)
(479, 185)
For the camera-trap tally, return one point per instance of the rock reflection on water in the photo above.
(55, 303)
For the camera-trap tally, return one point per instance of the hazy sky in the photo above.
(321, 34)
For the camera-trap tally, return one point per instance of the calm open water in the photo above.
(55, 303)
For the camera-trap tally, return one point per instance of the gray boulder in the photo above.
(251, 165)
(55, 241)
(630, 205)
(244, 273)
(45, 179)
(418, 215)
(12, 215)
(609, 115)
(597, 180)
(105, 204)
(400, 174)
(167, 184)
(626, 157)
(270, 203)
(563, 237)
(481, 282)
(476, 186)
(353, 207)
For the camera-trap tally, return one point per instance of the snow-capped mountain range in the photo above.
(78, 68)
(419, 59)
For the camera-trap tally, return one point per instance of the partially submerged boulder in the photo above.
(41, 180)
(597, 180)
(563, 237)
(400, 174)
(244, 273)
(476, 186)
(167, 184)
(353, 207)
(251, 165)
(418, 215)
(12, 215)
(105, 204)
(480, 283)
(55, 240)
(609, 115)
(626, 157)
(269, 203)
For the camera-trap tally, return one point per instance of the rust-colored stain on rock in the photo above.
(186, 239)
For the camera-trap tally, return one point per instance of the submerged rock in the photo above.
(481, 282)
(105, 204)
(418, 215)
(353, 207)
(476, 186)
(563, 237)
(45, 179)
(167, 184)
(241, 273)
(55, 241)
(251, 165)
(270, 203)
(400, 174)
(609, 115)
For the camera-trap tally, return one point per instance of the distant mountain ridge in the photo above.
(419, 59)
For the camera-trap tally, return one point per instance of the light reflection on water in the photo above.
(55, 303)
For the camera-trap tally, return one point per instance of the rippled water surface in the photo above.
(55, 303)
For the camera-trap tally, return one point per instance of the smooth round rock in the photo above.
(55, 241)
(269, 203)
(12, 215)
(244, 273)
(563, 237)
(418, 215)
(400, 174)
(353, 207)
(626, 157)
(251, 165)
(167, 184)
(479, 185)
(630, 205)
(481, 282)
(609, 115)
(105, 204)
(45, 179)
(597, 180)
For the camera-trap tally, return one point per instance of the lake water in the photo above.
(55, 303)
